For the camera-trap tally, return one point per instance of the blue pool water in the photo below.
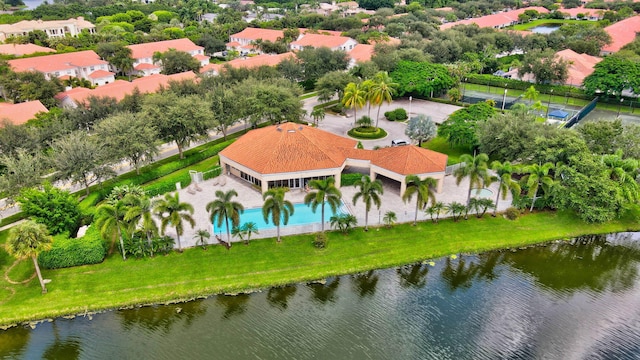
(302, 215)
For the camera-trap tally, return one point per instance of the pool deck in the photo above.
(249, 197)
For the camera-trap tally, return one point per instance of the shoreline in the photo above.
(195, 274)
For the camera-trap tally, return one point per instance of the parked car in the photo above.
(399, 142)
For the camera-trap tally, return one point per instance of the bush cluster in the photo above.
(366, 133)
(349, 179)
(499, 81)
(138, 246)
(66, 252)
(320, 240)
(398, 114)
(512, 213)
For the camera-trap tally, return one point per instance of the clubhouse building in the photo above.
(290, 155)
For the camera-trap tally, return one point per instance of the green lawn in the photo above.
(440, 145)
(534, 23)
(265, 263)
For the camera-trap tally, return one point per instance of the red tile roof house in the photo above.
(622, 33)
(142, 54)
(589, 14)
(23, 49)
(293, 154)
(120, 88)
(82, 64)
(248, 62)
(249, 35)
(20, 113)
(360, 53)
(317, 41)
(496, 21)
(580, 65)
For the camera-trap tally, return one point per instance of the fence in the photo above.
(582, 113)
(452, 168)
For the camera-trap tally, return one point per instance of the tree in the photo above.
(509, 136)
(27, 240)
(223, 208)
(369, 191)
(421, 128)
(480, 206)
(225, 109)
(277, 208)
(110, 219)
(276, 101)
(140, 212)
(504, 171)
(475, 168)
(201, 238)
(538, 177)
(613, 75)
(317, 115)
(324, 192)
(21, 171)
(460, 128)
(382, 90)
(128, 136)
(79, 158)
(375, 4)
(175, 62)
(390, 218)
(247, 229)
(354, 97)
(531, 94)
(601, 136)
(422, 78)
(456, 209)
(179, 119)
(544, 66)
(333, 83)
(57, 209)
(30, 85)
(317, 62)
(623, 172)
(173, 212)
(117, 54)
(343, 222)
(92, 111)
(424, 191)
(435, 209)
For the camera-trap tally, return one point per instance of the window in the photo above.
(91, 68)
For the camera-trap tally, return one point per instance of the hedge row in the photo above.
(349, 179)
(66, 252)
(356, 133)
(499, 81)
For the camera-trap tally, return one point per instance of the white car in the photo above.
(399, 142)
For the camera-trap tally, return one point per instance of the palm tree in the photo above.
(223, 208)
(110, 220)
(424, 190)
(390, 218)
(173, 212)
(531, 94)
(538, 176)
(382, 90)
(354, 97)
(141, 213)
(370, 192)
(277, 207)
(343, 222)
(479, 206)
(325, 192)
(318, 115)
(248, 229)
(475, 168)
(366, 86)
(624, 172)
(506, 183)
(27, 240)
(201, 237)
(456, 209)
(436, 209)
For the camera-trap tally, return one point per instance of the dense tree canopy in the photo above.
(422, 78)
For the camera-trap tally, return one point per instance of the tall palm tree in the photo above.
(110, 220)
(538, 176)
(382, 90)
(276, 207)
(506, 183)
(476, 169)
(173, 212)
(27, 240)
(624, 172)
(370, 192)
(325, 192)
(366, 86)
(141, 214)
(224, 208)
(354, 97)
(424, 190)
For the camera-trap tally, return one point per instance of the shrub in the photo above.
(337, 108)
(349, 179)
(398, 114)
(67, 252)
(512, 213)
(320, 241)
(138, 246)
(390, 115)
(55, 208)
(367, 133)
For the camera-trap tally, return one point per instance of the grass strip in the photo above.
(264, 263)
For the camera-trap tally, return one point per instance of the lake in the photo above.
(545, 28)
(578, 299)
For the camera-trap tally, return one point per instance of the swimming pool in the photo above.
(482, 193)
(302, 215)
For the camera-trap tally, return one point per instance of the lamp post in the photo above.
(410, 98)
(464, 88)
(504, 98)
(549, 103)
(619, 107)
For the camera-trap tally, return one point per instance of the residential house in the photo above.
(580, 65)
(581, 13)
(142, 54)
(497, 21)
(317, 41)
(53, 28)
(23, 49)
(120, 88)
(360, 53)
(82, 64)
(249, 62)
(249, 35)
(18, 114)
(622, 33)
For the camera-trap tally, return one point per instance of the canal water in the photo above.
(578, 299)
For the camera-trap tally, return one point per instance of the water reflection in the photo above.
(162, 317)
(232, 304)
(587, 262)
(326, 292)
(413, 276)
(14, 341)
(279, 297)
(459, 273)
(62, 348)
(365, 283)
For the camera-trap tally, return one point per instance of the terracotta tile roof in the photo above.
(23, 49)
(233, 44)
(361, 52)
(321, 32)
(20, 113)
(249, 62)
(495, 20)
(119, 88)
(581, 10)
(201, 57)
(49, 63)
(293, 147)
(253, 34)
(581, 65)
(144, 66)
(147, 50)
(622, 33)
(100, 74)
(318, 40)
